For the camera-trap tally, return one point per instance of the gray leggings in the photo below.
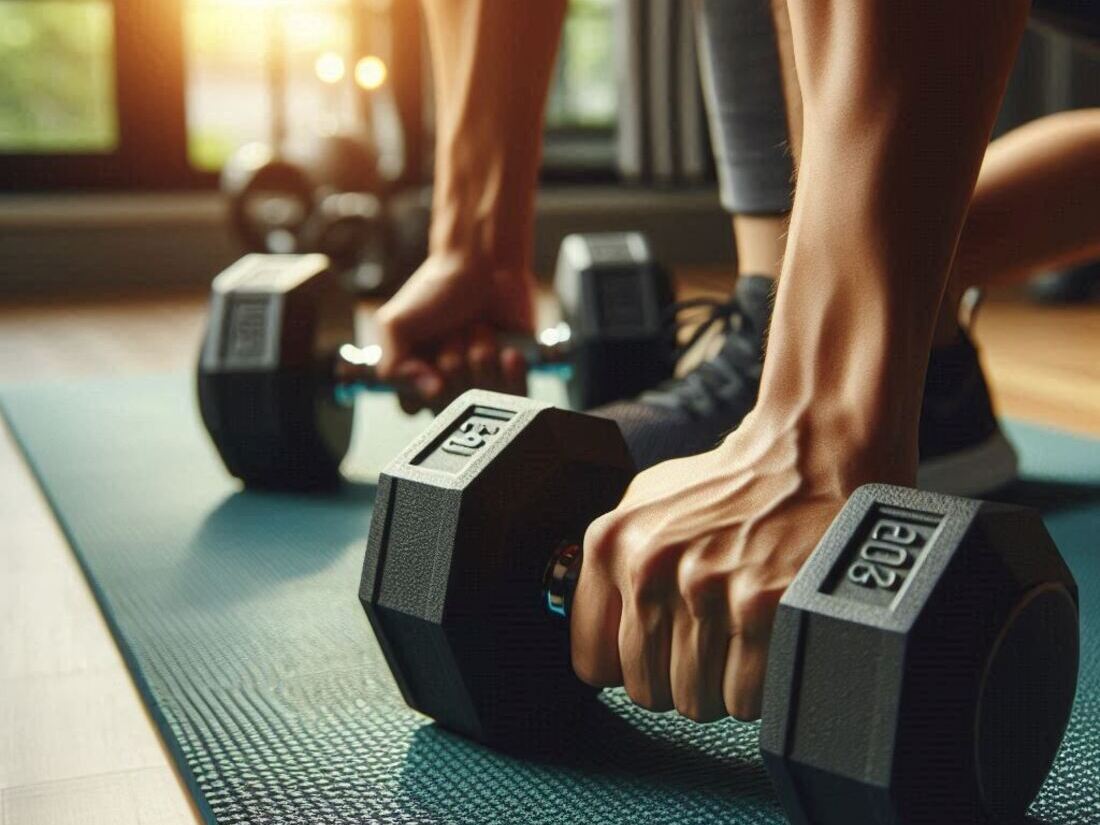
(743, 87)
(739, 63)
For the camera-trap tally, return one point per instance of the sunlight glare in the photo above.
(370, 72)
(329, 67)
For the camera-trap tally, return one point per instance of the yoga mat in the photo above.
(238, 616)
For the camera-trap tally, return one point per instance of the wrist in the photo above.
(483, 208)
(832, 444)
(460, 288)
(482, 239)
(845, 369)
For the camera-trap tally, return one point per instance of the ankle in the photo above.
(761, 241)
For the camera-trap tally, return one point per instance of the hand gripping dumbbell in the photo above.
(277, 368)
(922, 664)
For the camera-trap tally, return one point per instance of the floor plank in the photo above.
(49, 623)
(1041, 360)
(68, 707)
(63, 726)
(139, 797)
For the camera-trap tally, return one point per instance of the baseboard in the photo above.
(86, 243)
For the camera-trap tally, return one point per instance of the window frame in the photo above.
(150, 99)
(148, 59)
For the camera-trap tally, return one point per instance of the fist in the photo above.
(681, 581)
(438, 333)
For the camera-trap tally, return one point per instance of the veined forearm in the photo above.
(899, 99)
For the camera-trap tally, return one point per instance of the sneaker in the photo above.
(962, 448)
(694, 412)
(963, 451)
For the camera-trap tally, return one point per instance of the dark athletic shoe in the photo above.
(963, 451)
(692, 414)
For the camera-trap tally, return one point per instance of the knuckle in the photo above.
(599, 546)
(742, 708)
(643, 695)
(450, 363)
(702, 587)
(390, 322)
(697, 711)
(585, 669)
(482, 345)
(752, 609)
(639, 572)
(645, 565)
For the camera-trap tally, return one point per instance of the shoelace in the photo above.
(722, 313)
(721, 380)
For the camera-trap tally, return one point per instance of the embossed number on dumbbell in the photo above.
(471, 437)
(885, 555)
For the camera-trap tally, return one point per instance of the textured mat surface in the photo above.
(238, 616)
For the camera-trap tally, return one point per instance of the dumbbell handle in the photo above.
(560, 578)
(355, 366)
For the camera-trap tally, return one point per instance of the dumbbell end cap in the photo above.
(923, 663)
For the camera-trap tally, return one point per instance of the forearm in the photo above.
(898, 102)
(492, 63)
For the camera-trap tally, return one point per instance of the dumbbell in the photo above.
(277, 370)
(351, 229)
(323, 195)
(270, 198)
(922, 665)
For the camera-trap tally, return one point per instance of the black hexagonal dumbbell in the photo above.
(922, 665)
(615, 299)
(277, 369)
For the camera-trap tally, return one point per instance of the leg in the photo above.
(719, 376)
(1034, 207)
(743, 87)
(899, 98)
(492, 62)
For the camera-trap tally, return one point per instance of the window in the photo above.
(243, 54)
(57, 64)
(158, 93)
(584, 94)
(581, 112)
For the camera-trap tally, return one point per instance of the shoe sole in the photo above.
(973, 472)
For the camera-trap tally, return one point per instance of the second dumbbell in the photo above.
(278, 370)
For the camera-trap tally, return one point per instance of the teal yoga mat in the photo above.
(238, 617)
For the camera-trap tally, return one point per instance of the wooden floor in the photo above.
(1043, 362)
(76, 745)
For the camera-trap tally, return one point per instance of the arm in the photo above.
(681, 581)
(492, 62)
(899, 100)
(1034, 207)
